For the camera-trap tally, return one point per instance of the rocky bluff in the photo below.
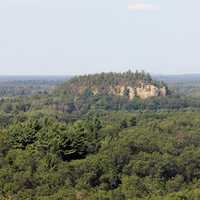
(129, 84)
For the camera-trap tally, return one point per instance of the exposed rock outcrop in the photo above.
(143, 91)
(146, 91)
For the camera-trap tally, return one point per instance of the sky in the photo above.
(65, 37)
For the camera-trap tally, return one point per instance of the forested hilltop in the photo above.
(128, 84)
(64, 144)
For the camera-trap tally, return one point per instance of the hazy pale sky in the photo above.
(87, 36)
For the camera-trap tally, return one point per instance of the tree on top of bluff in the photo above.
(112, 78)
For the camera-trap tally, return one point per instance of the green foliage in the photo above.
(152, 156)
(100, 147)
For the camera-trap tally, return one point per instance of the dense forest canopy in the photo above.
(112, 78)
(56, 145)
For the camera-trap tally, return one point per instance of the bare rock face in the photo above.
(143, 91)
(146, 91)
(121, 90)
(95, 91)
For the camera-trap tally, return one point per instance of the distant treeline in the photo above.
(27, 87)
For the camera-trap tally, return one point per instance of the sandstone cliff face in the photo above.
(146, 91)
(142, 91)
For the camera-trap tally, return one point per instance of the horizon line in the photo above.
(61, 75)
